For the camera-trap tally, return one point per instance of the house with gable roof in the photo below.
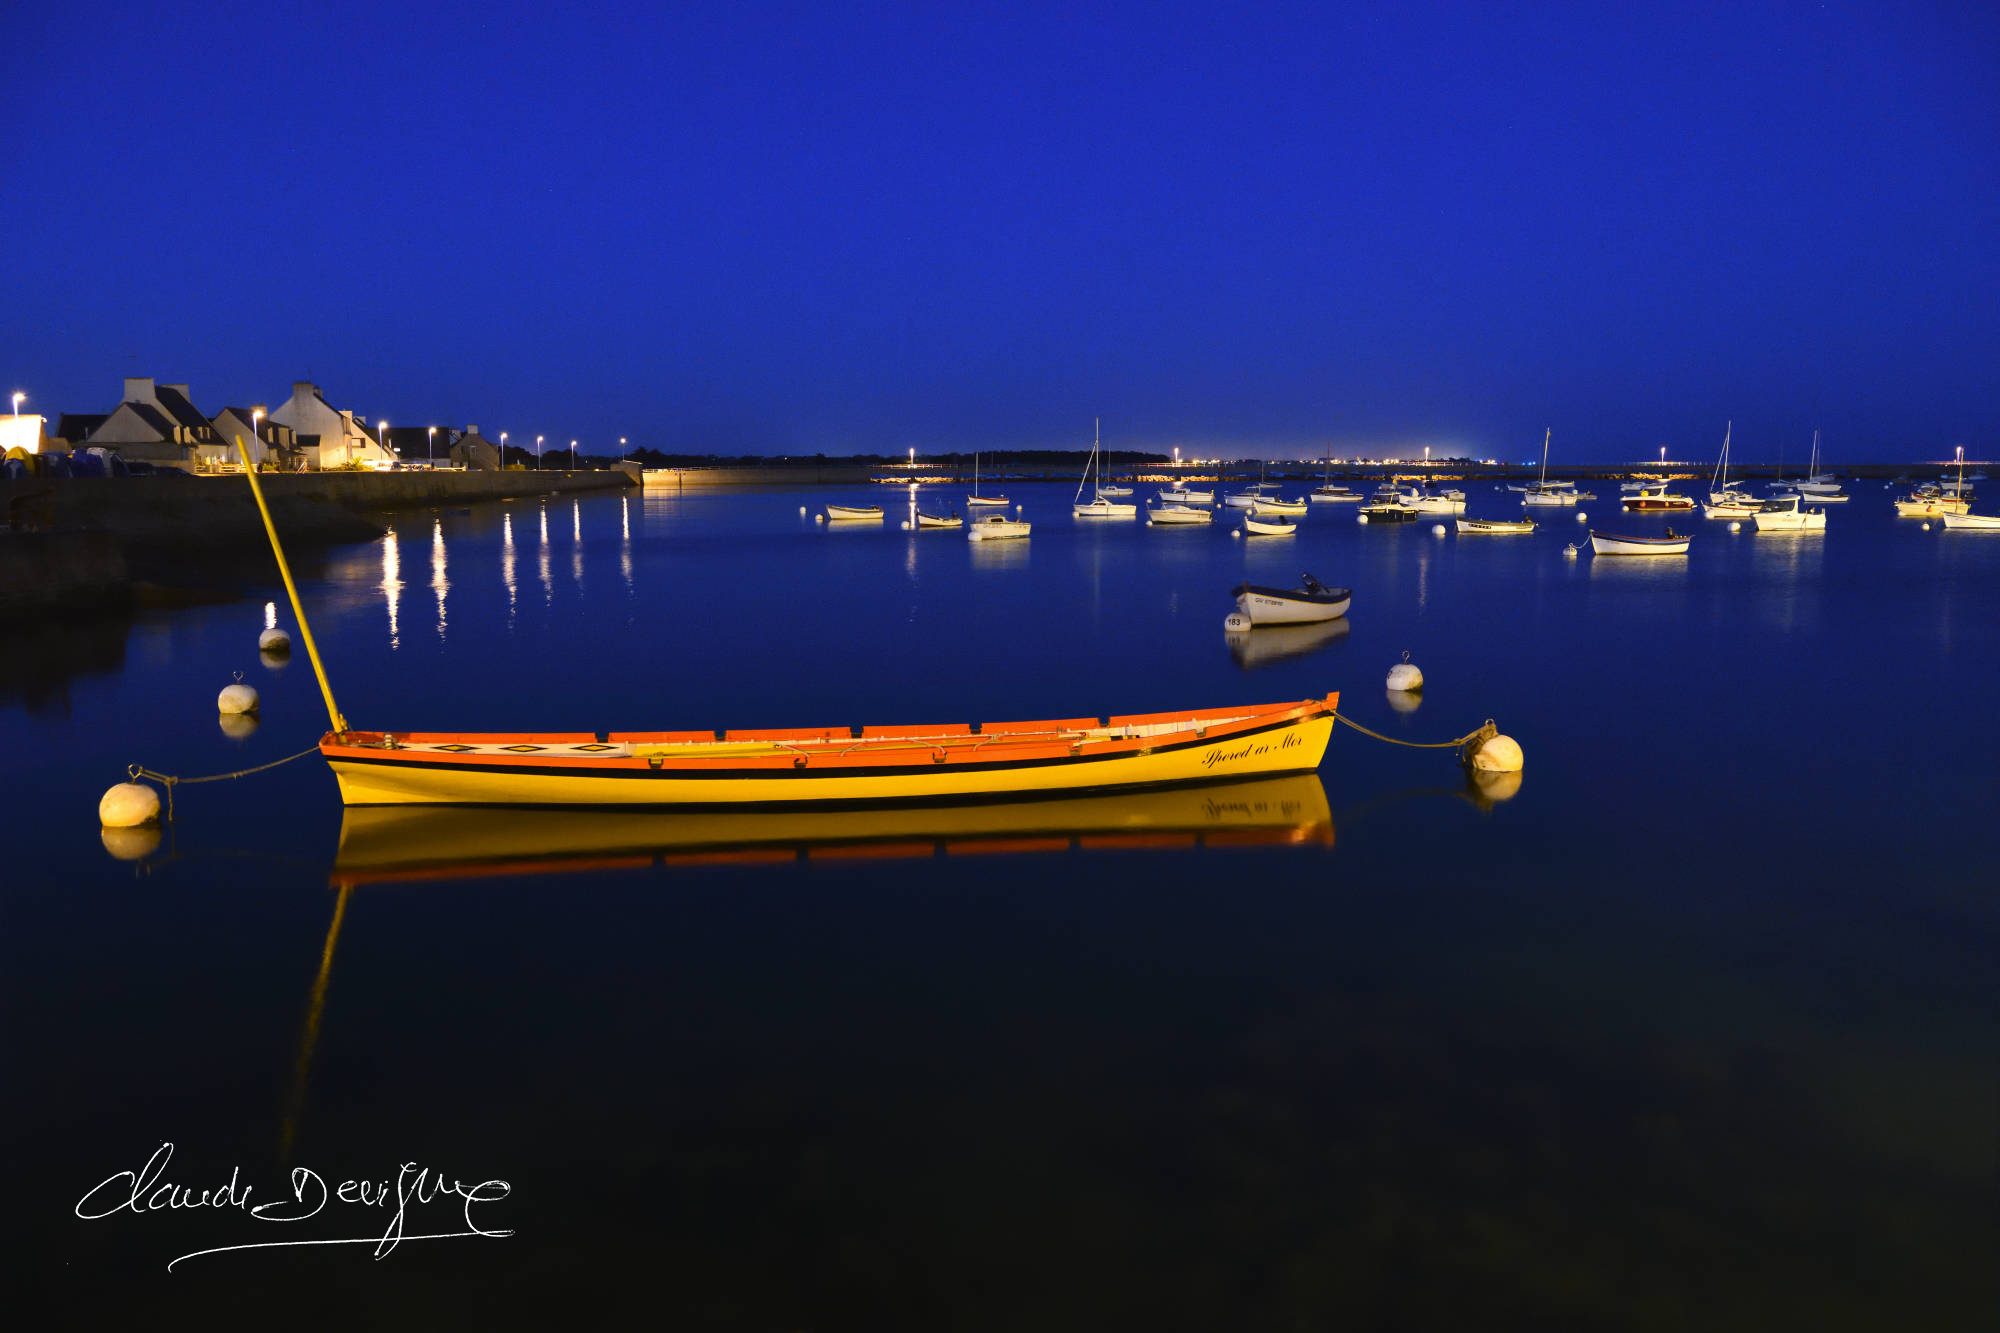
(159, 424)
(268, 440)
(328, 436)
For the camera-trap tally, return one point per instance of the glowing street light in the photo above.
(621, 446)
(572, 455)
(503, 451)
(380, 428)
(1663, 455)
(257, 432)
(913, 458)
(18, 398)
(1177, 457)
(430, 443)
(538, 453)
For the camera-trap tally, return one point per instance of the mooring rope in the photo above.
(1484, 733)
(169, 781)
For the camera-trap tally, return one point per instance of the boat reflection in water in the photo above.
(1277, 643)
(388, 843)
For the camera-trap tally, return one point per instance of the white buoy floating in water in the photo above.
(1437, 529)
(1405, 677)
(1498, 754)
(802, 511)
(1927, 527)
(274, 641)
(1569, 552)
(1583, 518)
(128, 805)
(1736, 525)
(819, 518)
(1235, 622)
(1234, 533)
(906, 525)
(237, 698)
(1361, 518)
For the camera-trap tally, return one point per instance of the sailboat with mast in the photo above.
(1724, 500)
(1098, 506)
(1544, 494)
(976, 500)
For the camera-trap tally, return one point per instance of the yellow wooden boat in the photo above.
(792, 767)
(388, 844)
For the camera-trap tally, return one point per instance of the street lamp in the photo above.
(913, 458)
(257, 432)
(430, 445)
(1663, 455)
(572, 455)
(503, 451)
(538, 453)
(1177, 457)
(17, 403)
(621, 446)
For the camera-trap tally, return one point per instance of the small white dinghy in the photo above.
(853, 513)
(1468, 527)
(1273, 505)
(1268, 527)
(995, 528)
(1172, 515)
(1971, 522)
(1608, 543)
(929, 521)
(1306, 604)
(1188, 495)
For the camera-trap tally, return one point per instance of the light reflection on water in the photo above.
(392, 583)
(439, 584)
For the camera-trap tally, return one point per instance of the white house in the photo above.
(159, 424)
(255, 426)
(329, 437)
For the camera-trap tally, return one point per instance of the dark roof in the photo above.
(181, 410)
(153, 417)
(75, 426)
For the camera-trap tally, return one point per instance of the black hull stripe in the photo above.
(430, 766)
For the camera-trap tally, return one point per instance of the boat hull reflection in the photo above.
(389, 843)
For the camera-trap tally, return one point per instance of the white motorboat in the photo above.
(1446, 502)
(854, 513)
(1960, 522)
(1548, 497)
(928, 522)
(1331, 494)
(1267, 527)
(1655, 495)
(996, 528)
(1269, 506)
(1099, 507)
(1306, 604)
(1386, 506)
(1177, 515)
(1469, 527)
(1609, 543)
(976, 500)
(1926, 501)
(1188, 495)
(1788, 513)
(1113, 492)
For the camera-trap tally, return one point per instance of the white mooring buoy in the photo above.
(274, 641)
(819, 518)
(1234, 533)
(1569, 552)
(1927, 527)
(906, 525)
(1736, 525)
(237, 698)
(1583, 518)
(1405, 677)
(1498, 754)
(1437, 529)
(1235, 623)
(128, 805)
(1361, 518)
(802, 511)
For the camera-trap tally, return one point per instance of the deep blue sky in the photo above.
(1246, 229)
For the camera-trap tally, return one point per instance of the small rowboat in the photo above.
(996, 527)
(1306, 604)
(1264, 505)
(807, 766)
(1471, 526)
(938, 520)
(1606, 543)
(1175, 515)
(1956, 522)
(1114, 492)
(853, 513)
(1268, 527)
(986, 501)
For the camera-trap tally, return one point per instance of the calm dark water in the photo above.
(1696, 1029)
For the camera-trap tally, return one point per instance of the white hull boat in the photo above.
(1263, 507)
(1173, 515)
(1104, 509)
(1960, 522)
(1655, 496)
(1268, 527)
(1469, 527)
(1608, 543)
(996, 528)
(928, 522)
(854, 514)
(1743, 508)
(1451, 502)
(1113, 492)
(1337, 495)
(1189, 497)
(1789, 514)
(978, 501)
(1307, 604)
(1098, 507)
